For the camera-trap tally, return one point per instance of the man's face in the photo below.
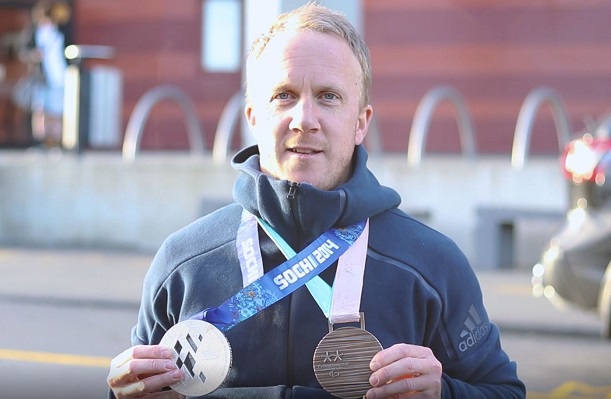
(304, 108)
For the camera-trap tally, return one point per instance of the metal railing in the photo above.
(142, 110)
(526, 119)
(422, 121)
(418, 133)
(226, 127)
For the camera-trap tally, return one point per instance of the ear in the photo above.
(250, 115)
(362, 124)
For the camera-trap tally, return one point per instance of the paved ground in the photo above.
(72, 274)
(113, 279)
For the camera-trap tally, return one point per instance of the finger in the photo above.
(141, 352)
(152, 384)
(137, 369)
(407, 386)
(397, 352)
(399, 370)
(122, 358)
(396, 364)
(122, 369)
(152, 352)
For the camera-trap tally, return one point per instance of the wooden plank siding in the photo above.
(494, 53)
(158, 42)
(14, 123)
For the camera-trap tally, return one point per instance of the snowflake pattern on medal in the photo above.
(251, 301)
(350, 233)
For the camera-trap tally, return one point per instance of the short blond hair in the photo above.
(315, 17)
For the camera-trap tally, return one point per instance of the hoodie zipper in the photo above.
(292, 190)
(290, 358)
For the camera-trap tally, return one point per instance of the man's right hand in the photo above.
(142, 371)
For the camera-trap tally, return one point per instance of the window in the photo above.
(221, 35)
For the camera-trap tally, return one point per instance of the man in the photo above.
(307, 106)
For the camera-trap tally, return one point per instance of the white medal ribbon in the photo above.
(341, 303)
(348, 283)
(249, 252)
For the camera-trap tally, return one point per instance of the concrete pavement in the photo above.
(535, 334)
(110, 277)
(114, 278)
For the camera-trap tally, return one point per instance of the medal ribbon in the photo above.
(341, 303)
(284, 279)
(320, 290)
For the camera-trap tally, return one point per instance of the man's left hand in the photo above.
(405, 371)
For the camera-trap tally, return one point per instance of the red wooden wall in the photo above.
(14, 124)
(158, 42)
(493, 52)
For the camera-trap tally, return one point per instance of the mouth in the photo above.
(304, 151)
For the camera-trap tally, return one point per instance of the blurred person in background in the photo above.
(42, 50)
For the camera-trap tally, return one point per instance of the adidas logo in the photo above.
(475, 329)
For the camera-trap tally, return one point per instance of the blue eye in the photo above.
(283, 96)
(329, 96)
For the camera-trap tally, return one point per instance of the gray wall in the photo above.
(100, 200)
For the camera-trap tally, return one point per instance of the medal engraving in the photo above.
(341, 361)
(203, 354)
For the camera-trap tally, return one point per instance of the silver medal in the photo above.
(203, 354)
(341, 361)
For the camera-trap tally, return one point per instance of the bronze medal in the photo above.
(203, 354)
(341, 361)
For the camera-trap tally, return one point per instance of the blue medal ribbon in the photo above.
(284, 279)
(319, 289)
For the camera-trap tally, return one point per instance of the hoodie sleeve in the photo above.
(156, 315)
(492, 374)
(468, 343)
(445, 308)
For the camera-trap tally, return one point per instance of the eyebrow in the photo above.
(318, 88)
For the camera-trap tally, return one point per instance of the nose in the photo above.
(304, 117)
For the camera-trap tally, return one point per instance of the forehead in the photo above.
(304, 52)
(302, 43)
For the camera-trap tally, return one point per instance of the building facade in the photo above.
(492, 53)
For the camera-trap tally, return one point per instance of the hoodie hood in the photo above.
(300, 212)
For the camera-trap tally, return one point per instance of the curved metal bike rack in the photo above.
(526, 118)
(139, 116)
(373, 139)
(226, 127)
(422, 121)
